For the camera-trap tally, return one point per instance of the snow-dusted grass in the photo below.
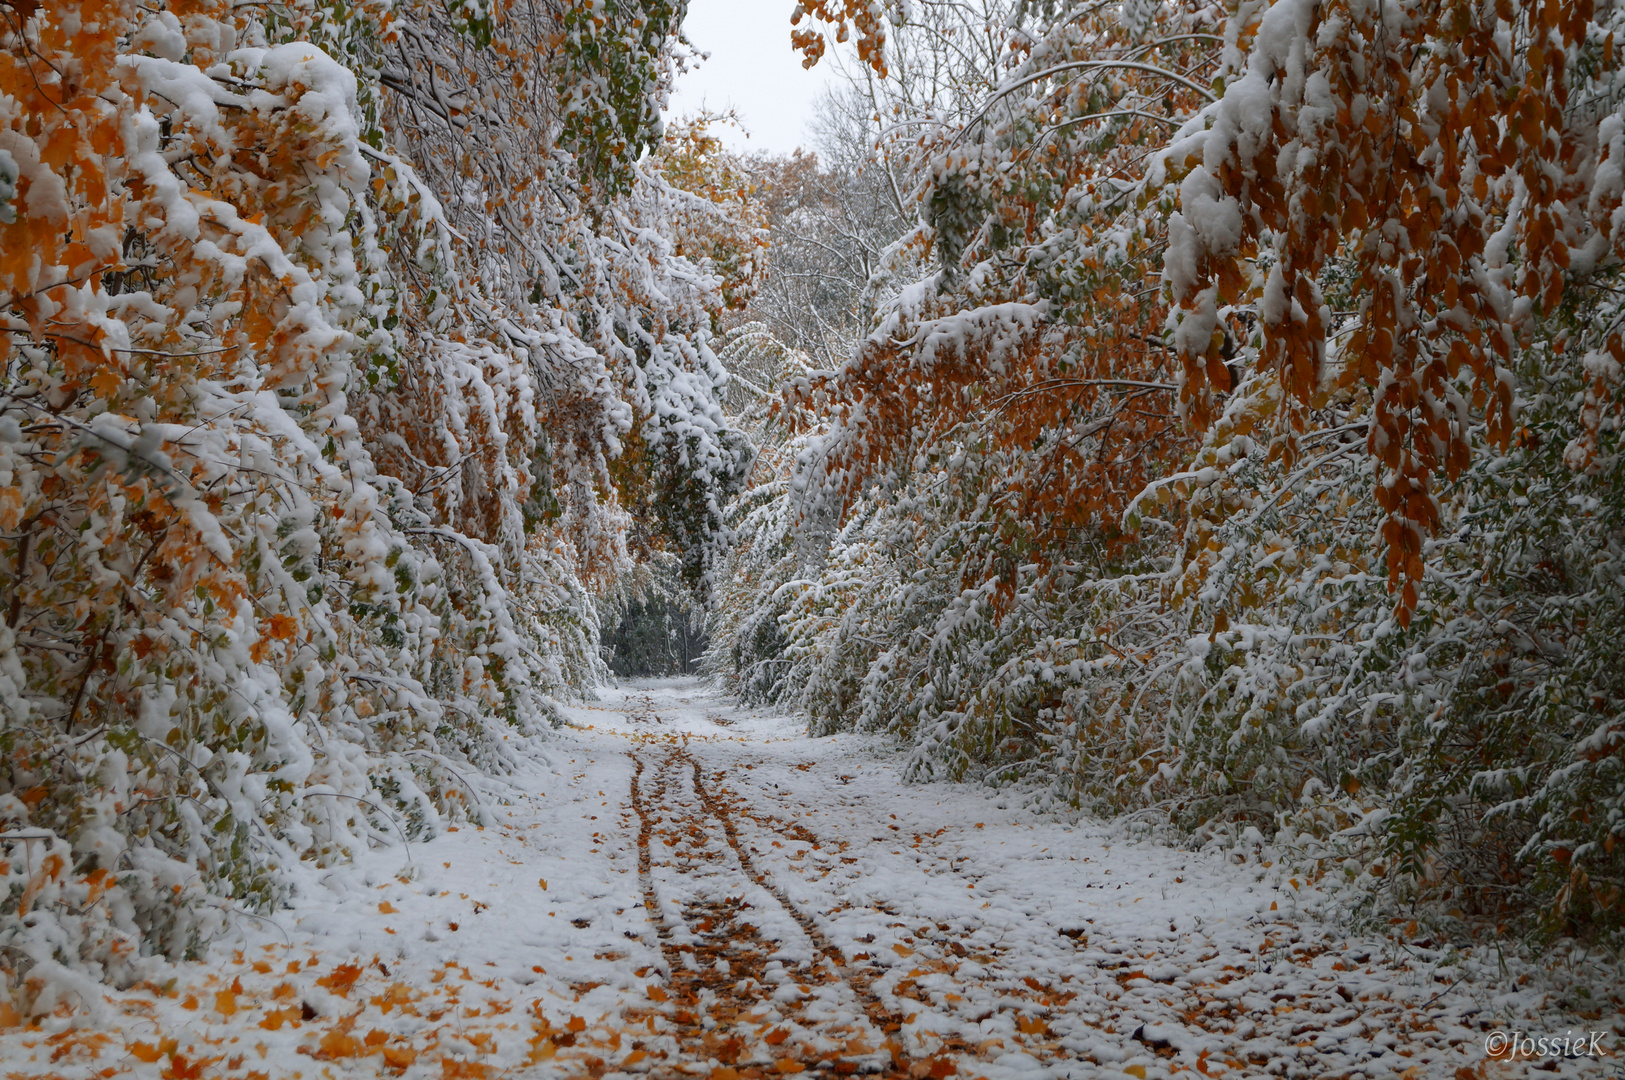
(1005, 945)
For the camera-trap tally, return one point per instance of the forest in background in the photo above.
(1208, 413)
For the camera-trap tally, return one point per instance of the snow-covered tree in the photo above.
(1239, 435)
(338, 338)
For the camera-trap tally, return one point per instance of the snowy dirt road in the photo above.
(676, 886)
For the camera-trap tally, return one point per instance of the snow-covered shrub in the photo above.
(319, 346)
(1251, 452)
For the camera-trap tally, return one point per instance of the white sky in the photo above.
(753, 70)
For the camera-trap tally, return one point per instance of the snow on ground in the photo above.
(679, 886)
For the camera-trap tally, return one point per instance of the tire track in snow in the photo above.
(940, 952)
(859, 981)
(713, 1004)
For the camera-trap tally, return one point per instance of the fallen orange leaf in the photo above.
(342, 978)
(180, 1068)
(399, 1057)
(339, 1044)
(397, 994)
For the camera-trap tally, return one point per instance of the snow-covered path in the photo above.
(677, 886)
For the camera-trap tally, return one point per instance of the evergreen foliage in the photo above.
(659, 636)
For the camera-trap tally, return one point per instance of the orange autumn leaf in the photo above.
(107, 381)
(399, 1057)
(341, 978)
(397, 994)
(182, 1068)
(11, 507)
(340, 1044)
(276, 1018)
